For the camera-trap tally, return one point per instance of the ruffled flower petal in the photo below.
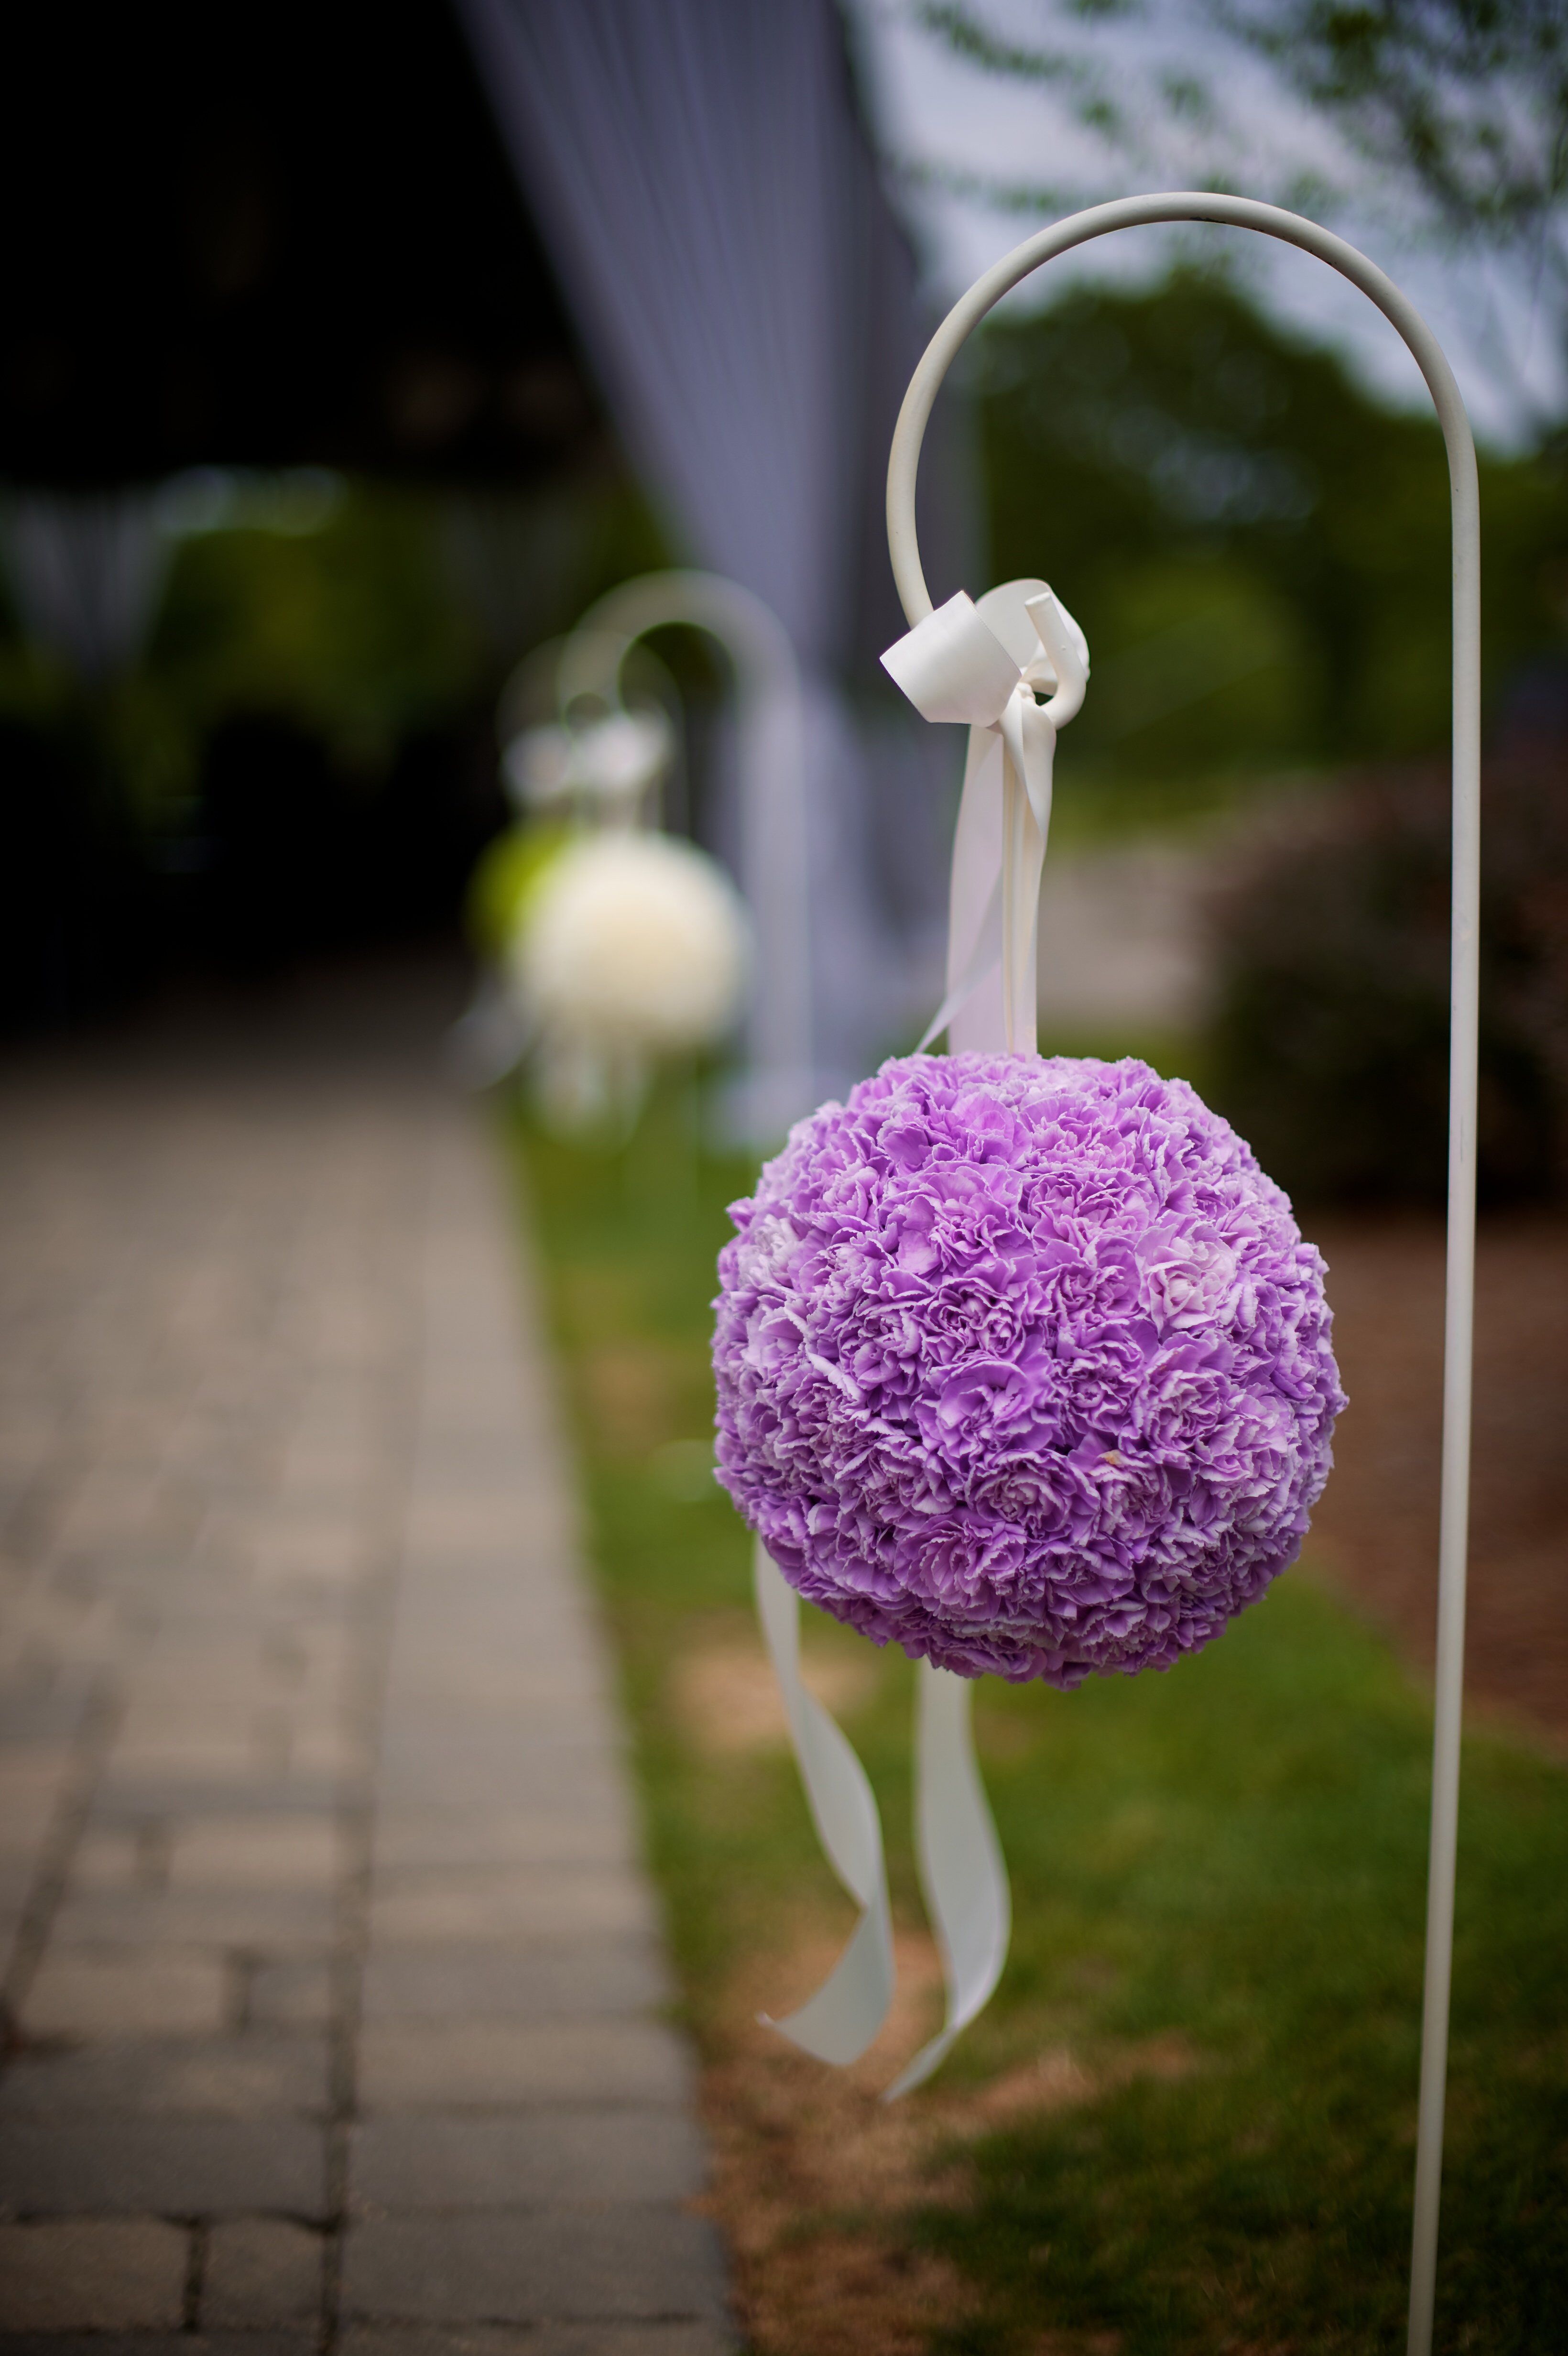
(1022, 1365)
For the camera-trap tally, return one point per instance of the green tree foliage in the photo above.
(372, 626)
(351, 611)
(1468, 99)
(1459, 107)
(349, 630)
(1257, 549)
(300, 757)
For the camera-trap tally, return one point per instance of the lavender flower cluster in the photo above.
(1022, 1363)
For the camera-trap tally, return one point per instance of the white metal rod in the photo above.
(1243, 212)
(774, 848)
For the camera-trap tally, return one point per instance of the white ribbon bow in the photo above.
(980, 664)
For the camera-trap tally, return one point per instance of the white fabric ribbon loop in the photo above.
(952, 666)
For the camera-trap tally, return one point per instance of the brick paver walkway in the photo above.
(332, 1976)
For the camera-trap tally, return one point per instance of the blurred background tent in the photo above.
(311, 423)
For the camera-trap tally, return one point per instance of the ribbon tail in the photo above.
(983, 959)
(1029, 738)
(1030, 735)
(841, 2019)
(971, 1010)
(948, 666)
(962, 1871)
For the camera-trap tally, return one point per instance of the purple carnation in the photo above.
(1022, 1363)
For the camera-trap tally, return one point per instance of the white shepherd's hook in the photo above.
(774, 847)
(1243, 212)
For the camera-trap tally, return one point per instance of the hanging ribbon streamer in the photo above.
(979, 665)
(982, 665)
(841, 2019)
(962, 1871)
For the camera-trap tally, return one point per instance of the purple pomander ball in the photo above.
(1022, 1363)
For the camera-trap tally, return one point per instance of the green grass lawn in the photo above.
(1218, 1880)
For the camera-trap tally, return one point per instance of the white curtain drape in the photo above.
(698, 173)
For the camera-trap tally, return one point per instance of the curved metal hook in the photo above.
(1270, 220)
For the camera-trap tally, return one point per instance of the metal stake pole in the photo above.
(1243, 212)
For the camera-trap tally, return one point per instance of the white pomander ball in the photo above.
(635, 942)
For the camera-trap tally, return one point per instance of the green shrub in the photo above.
(1330, 1038)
